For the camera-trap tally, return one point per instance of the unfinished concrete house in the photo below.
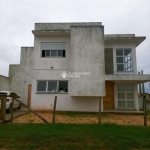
(79, 64)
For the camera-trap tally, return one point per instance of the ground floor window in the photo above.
(52, 86)
(125, 96)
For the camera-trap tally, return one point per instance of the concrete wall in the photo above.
(21, 75)
(109, 68)
(87, 55)
(4, 83)
(42, 71)
(63, 26)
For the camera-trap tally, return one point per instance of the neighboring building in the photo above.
(106, 65)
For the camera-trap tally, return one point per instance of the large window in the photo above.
(52, 86)
(125, 94)
(53, 49)
(124, 60)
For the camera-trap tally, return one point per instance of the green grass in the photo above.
(73, 137)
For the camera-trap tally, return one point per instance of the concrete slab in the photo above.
(17, 112)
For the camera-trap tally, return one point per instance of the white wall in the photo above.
(42, 71)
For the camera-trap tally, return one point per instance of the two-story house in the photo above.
(79, 64)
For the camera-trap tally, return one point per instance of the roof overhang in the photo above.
(124, 38)
(128, 77)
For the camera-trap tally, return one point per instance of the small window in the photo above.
(63, 86)
(52, 86)
(47, 53)
(41, 86)
(53, 49)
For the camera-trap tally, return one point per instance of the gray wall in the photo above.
(109, 69)
(87, 55)
(4, 83)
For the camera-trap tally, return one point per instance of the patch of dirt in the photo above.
(83, 119)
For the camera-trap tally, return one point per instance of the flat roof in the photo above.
(128, 38)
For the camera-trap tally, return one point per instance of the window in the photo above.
(52, 86)
(53, 49)
(124, 60)
(125, 94)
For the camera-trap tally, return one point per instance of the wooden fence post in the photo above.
(54, 109)
(1, 108)
(144, 103)
(145, 112)
(29, 95)
(12, 106)
(99, 116)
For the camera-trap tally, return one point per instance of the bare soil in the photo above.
(83, 118)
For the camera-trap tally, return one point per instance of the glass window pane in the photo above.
(47, 53)
(64, 53)
(120, 67)
(53, 53)
(130, 96)
(41, 86)
(128, 67)
(121, 95)
(128, 60)
(130, 87)
(63, 86)
(60, 53)
(121, 87)
(127, 52)
(43, 53)
(130, 104)
(52, 86)
(119, 59)
(121, 104)
(119, 52)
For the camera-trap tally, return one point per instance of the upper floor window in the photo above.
(124, 60)
(53, 49)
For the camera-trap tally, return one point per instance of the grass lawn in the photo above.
(74, 137)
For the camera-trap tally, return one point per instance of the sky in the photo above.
(17, 19)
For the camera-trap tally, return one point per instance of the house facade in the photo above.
(79, 64)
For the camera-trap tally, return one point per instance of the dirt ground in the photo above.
(83, 118)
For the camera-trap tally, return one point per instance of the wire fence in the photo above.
(75, 111)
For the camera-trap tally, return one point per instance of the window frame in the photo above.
(124, 63)
(125, 92)
(63, 50)
(51, 92)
